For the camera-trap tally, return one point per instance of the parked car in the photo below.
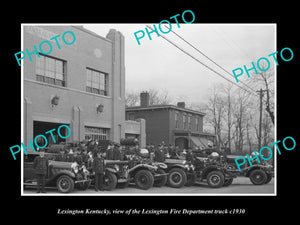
(213, 171)
(116, 175)
(145, 173)
(180, 173)
(65, 176)
(259, 173)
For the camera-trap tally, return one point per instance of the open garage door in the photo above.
(40, 127)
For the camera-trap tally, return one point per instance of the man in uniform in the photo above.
(77, 157)
(166, 150)
(84, 155)
(70, 156)
(136, 149)
(177, 151)
(40, 165)
(110, 152)
(62, 156)
(159, 155)
(99, 169)
(90, 161)
(116, 152)
(172, 152)
(123, 152)
(189, 155)
(151, 148)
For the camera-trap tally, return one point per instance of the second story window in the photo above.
(184, 120)
(50, 70)
(96, 82)
(176, 120)
(189, 122)
(197, 123)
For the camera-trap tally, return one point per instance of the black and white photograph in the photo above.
(176, 113)
(114, 117)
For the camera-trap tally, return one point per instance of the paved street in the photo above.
(240, 185)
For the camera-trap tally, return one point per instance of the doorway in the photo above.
(182, 142)
(40, 127)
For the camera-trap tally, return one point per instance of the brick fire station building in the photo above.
(81, 85)
(171, 124)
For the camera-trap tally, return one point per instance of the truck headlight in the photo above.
(117, 168)
(75, 167)
(187, 166)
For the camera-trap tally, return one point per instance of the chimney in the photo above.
(145, 99)
(181, 104)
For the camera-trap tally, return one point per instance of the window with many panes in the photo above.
(176, 121)
(184, 122)
(96, 82)
(189, 122)
(197, 123)
(96, 133)
(50, 70)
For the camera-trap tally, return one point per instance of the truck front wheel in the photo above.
(65, 184)
(110, 181)
(144, 179)
(258, 177)
(177, 178)
(215, 179)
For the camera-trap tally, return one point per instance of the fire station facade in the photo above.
(80, 85)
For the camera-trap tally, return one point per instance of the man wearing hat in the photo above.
(159, 155)
(189, 155)
(40, 165)
(70, 156)
(62, 156)
(172, 152)
(99, 169)
(84, 156)
(116, 152)
(110, 152)
(77, 157)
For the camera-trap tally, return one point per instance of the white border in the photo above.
(148, 194)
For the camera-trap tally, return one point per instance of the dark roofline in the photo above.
(151, 107)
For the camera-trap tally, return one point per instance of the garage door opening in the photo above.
(182, 143)
(42, 127)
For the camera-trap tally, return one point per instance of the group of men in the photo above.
(93, 157)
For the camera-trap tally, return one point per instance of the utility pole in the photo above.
(260, 116)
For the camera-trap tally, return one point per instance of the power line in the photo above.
(235, 44)
(209, 58)
(201, 62)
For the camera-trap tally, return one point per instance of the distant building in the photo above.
(80, 85)
(171, 124)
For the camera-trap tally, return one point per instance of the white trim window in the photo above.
(96, 133)
(50, 70)
(96, 82)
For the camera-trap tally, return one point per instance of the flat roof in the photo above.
(153, 107)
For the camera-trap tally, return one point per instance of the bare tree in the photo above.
(132, 99)
(159, 97)
(228, 101)
(215, 112)
(265, 80)
(249, 139)
(267, 136)
(155, 98)
(240, 113)
(251, 122)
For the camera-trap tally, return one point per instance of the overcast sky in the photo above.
(156, 64)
